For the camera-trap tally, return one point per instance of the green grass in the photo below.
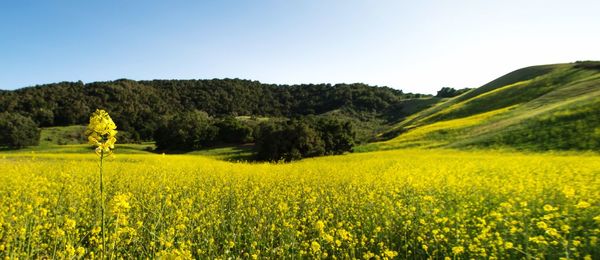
(61, 135)
(552, 107)
(519, 75)
(230, 153)
(84, 149)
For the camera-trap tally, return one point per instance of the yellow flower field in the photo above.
(393, 204)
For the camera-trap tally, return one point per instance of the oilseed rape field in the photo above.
(378, 205)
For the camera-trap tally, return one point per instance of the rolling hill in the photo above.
(548, 107)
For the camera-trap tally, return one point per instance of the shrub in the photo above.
(18, 131)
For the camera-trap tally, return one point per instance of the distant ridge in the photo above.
(547, 107)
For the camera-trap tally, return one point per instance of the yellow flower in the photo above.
(319, 225)
(70, 224)
(508, 245)
(101, 132)
(542, 225)
(457, 250)
(583, 205)
(80, 251)
(390, 253)
(569, 192)
(315, 247)
(328, 238)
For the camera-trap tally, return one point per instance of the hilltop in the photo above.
(548, 107)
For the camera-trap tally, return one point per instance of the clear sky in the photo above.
(417, 46)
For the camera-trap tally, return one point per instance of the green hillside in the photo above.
(549, 107)
(61, 135)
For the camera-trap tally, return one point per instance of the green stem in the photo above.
(102, 204)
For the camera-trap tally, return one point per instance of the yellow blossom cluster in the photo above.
(101, 132)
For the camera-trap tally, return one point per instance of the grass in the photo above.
(552, 107)
(519, 75)
(230, 153)
(143, 148)
(437, 134)
(61, 135)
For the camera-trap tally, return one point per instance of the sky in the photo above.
(416, 46)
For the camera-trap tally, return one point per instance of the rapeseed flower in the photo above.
(101, 132)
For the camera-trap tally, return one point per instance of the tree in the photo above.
(338, 136)
(303, 137)
(18, 131)
(289, 141)
(233, 131)
(186, 131)
(447, 92)
(137, 106)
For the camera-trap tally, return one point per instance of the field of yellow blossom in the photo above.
(392, 204)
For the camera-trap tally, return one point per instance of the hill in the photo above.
(138, 107)
(549, 107)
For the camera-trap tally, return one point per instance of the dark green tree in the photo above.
(303, 137)
(233, 131)
(186, 131)
(447, 92)
(18, 131)
(339, 136)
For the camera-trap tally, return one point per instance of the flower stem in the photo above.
(102, 205)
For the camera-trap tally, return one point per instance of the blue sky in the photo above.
(417, 46)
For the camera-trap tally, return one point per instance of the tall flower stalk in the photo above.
(101, 132)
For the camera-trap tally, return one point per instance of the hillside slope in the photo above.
(549, 107)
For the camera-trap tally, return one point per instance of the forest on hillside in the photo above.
(185, 115)
(139, 106)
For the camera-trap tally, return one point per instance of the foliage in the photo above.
(408, 204)
(447, 92)
(338, 136)
(137, 106)
(289, 141)
(18, 131)
(233, 131)
(593, 65)
(190, 130)
(304, 137)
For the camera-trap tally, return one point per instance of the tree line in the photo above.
(275, 140)
(182, 115)
(137, 106)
